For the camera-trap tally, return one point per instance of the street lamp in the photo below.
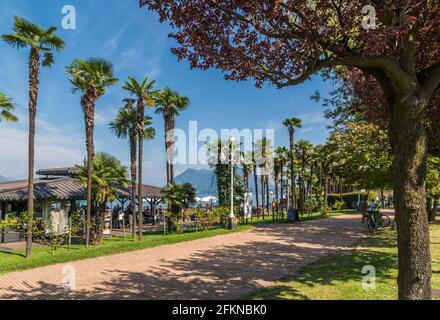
(232, 220)
(231, 142)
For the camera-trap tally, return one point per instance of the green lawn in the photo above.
(340, 277)
(14, 260)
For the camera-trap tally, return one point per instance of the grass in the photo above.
(340, 277)
(14, 260)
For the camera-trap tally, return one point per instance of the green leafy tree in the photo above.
(145, 97)
(91, 77)
(363, 155)
(125, 126)
(41, 43)
(6, 109)
(219, 160)
(432, 187)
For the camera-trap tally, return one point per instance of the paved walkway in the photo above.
(221, 267)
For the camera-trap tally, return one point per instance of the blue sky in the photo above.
(137, 44)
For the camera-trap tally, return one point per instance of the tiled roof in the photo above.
(64, 172)
(65, 188)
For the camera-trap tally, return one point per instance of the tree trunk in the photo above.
(171, 146)
(410, 149)
(167, 126)
(88, 104)
(325, 190)
(34, 68)
(433, 210)
(268, 200)
(97, 225)
(292, 167)
(256, 191)
(140, 127)
(133, 169)
(263, 198)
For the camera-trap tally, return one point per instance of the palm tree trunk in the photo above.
(256, 191)
(263, 198)
(167, 122)
(133, 169)
(292, 167)
(171, 146)
(276, 192)
(88, 104)
(140, 112)
(34, 65)
(268, 203)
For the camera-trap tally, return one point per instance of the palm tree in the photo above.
(303, 149)
(92, 77)
(178, 197)
(125, 126)
(145, 97)
(40, 42)
(108, 175)
(291, 124)
(282, 156)
(6, 108)
(254, 165)
(170, 104)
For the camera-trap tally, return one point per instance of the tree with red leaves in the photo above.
(284, 42)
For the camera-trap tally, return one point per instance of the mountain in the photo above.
(2, 178)
(203, 180)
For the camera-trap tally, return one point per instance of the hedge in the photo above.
(350, 199)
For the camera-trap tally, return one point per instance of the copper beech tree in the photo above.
(284, 42)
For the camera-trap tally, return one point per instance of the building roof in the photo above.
(63, 188)
(59, 172)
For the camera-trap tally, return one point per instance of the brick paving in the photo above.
(221, 267)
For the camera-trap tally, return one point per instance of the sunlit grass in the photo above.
(340, 277)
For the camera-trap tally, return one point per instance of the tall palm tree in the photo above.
(6, 108)
(304, 151)
(145, 97)
(41, 43)
(91, 77)
(281, 155)
(170, 104)
(108, 174)
(291, 124)
(254, 165)
(125, 126)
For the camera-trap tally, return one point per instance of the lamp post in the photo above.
(232, 220)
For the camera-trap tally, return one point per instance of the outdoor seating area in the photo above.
(58, 193)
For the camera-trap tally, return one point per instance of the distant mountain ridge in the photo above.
(2, 178)
(203, 180)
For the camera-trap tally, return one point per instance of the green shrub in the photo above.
(310, 206)
(339, 205)
(350, 199)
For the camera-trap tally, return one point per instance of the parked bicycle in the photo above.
(375, 219)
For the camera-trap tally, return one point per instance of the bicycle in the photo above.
(376, 220)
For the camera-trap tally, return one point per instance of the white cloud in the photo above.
(55, 146)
